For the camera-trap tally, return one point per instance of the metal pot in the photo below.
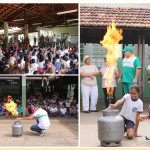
(110, 128)
(17, 129)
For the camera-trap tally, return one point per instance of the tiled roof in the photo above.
(124, 17)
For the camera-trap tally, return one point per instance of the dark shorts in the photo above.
(129, 124)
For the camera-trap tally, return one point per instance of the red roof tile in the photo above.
(124, 17)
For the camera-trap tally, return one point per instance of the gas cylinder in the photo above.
(17, 128)
(110, 128)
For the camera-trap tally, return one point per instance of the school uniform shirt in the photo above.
(12, 60)
(129, 66)
(103, 70)
(41, 65)
(63, 110)
(53, 109)
(22, 62)
(69, 39)
(35, 66)
(62, 53)
(87, 69)
(54, 39)
(53, 101)
(68, 104)
(68, 64)
(34, 57)
(60, 103)
(66, 51)
(43, 119)
(130, 108)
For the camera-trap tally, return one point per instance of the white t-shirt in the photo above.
(103, 70)
(53, 109)
(60, 103)
(44, 121)
(54, 39)
(62, 53)
(41, 65)
(58, 51)
(130, 108)
(35, 66)
(69, 38)
(68, 64)
(53, 101)
(68, 104)
(34, 57)
(66, 51)
(63, 110)
(12, 60)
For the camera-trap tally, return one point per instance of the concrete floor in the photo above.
(63, 132)
(89, 130)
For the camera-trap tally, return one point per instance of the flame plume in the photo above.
(111, 43)
(11, 106)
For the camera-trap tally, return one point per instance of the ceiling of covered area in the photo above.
(46, 14)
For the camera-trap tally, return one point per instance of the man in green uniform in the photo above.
(130, 69)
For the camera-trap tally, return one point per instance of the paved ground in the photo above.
(63, 132)
(89, 133)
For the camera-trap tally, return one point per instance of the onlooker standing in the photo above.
(130, 69)
(54, 40)
(113, 83)
(88, 73)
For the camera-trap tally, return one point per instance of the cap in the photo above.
(127, 48)
(85, 57)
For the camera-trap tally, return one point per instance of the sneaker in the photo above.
(87, 111)
(43, 133)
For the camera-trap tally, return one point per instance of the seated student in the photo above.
(20, 110)
(61, 102)
(72, 111)
(53, 100)
(58, 109)
(34, 65)
(132, 107)
(53, 111)
(29, 110)
(63, 111)
(12, 59)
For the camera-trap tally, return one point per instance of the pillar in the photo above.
(26, 34)
(139, 54)
(143, 62)
(6, 32)
(38, 34)
(23, 81)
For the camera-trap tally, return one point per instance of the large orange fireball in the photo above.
(11, 106)
(111, 43)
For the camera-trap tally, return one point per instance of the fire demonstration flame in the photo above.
(11, 106)
(111, 43)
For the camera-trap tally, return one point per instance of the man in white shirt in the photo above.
(54, 40)
(43, 121)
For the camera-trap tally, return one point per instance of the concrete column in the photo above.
(23, 81)
(26, 31)
(143, 63)
(6, 32)
(38, 35)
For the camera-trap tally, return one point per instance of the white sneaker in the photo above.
(43, 133)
